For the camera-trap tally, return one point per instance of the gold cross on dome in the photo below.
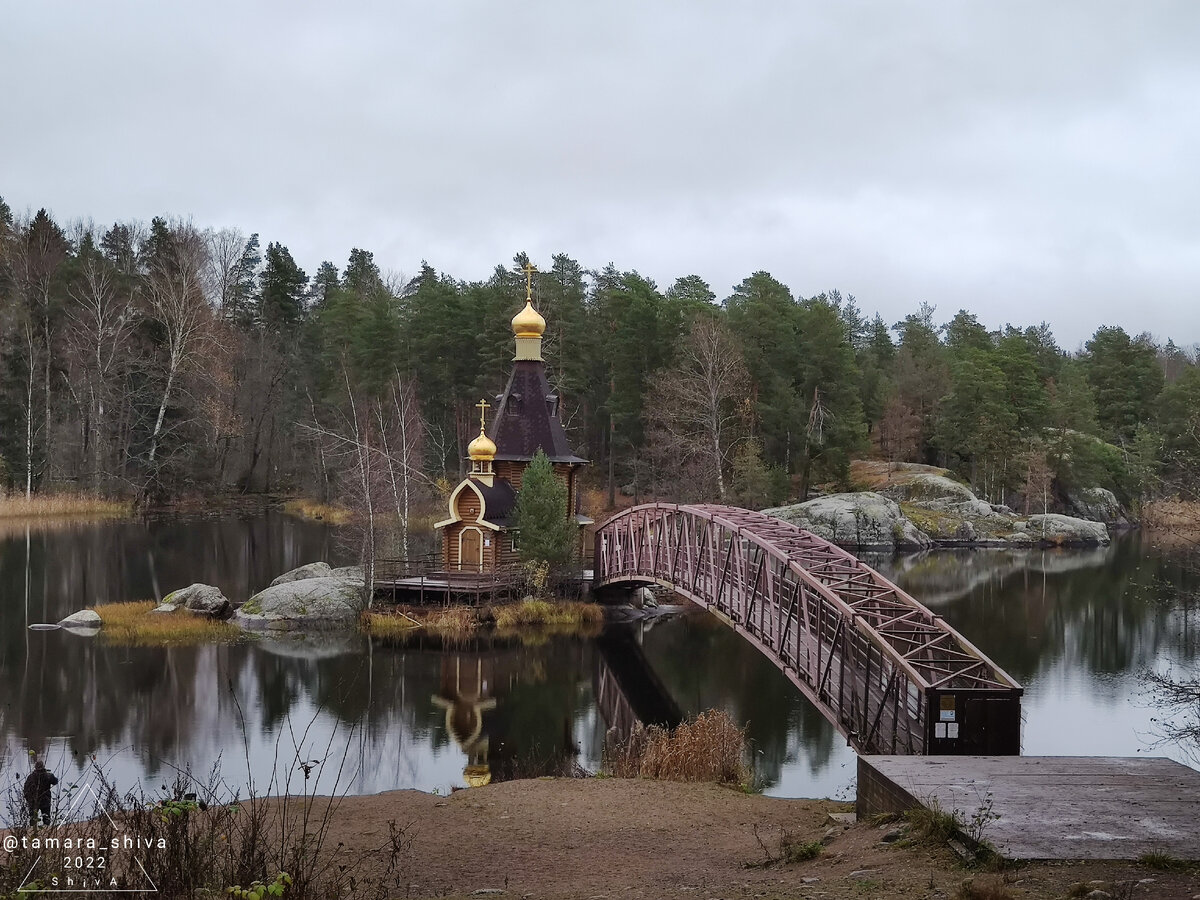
(529, 269)
(483, 406)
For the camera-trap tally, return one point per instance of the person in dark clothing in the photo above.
(37, 792)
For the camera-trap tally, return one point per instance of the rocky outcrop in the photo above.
(862, 520)
(924, 508)
(85, 619)
(311, 570)
(1097, 505)
(198, 599)
(304, 604)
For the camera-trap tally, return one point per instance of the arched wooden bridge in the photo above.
(892, 676)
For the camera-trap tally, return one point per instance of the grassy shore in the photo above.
(531, 616)
(132, 624)
(62, 506)
(305, 508)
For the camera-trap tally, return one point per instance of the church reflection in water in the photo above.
(463, 694)
(510, 721)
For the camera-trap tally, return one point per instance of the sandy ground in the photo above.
(603, 838)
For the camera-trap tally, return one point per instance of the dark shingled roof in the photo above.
(526, 419)
(499, 500)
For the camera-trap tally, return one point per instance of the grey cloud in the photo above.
(1025, 160)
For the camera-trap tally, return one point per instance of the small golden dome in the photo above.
(482, 448)
(528, 322)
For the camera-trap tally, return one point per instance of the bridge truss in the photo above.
(891, 675)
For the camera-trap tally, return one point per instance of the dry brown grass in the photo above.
(528, 620)
(549, 613)
(987, 888)
(389, 624)
(133, 625)
(709, 747)
(305, 508)
(1171, 515)
(63, 505)
(874, 474)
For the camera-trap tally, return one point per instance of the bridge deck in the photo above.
(1049, 807)
(891, 675)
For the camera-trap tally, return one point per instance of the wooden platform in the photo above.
(1049, 807)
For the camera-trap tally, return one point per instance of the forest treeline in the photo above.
(162, 359)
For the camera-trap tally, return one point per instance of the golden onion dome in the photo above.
(482, 448)
(477, 776)
(528, 322)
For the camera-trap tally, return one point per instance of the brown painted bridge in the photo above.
(891, 675)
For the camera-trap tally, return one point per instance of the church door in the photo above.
(470, 550)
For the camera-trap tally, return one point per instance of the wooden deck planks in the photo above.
(1052, 807)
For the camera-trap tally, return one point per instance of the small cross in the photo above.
(530, 268)
(483, 406)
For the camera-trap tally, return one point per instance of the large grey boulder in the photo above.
(82, 620)
(865, 520)
(1055, 529)
(308, 604)
(1098, 505)
(199, 599)
(311, 570)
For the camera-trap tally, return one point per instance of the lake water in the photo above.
(1076, 628)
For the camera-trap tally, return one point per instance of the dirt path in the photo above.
(603, 837)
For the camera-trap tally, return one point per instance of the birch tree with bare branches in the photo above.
(100, 323)
(697, 410)
(176, 301)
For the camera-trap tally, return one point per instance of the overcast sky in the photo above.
(1028, 161)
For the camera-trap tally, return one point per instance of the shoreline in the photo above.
(557, 837)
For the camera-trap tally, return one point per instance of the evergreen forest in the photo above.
(161, 361)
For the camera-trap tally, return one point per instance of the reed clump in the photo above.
(546, 612)
(306, 508)
(59, 505)
(710, 747)
(1171, 515)
(389, 624)
(132, 624)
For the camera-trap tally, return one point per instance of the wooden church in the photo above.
(479, 535)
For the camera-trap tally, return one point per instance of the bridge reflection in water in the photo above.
(892, 676)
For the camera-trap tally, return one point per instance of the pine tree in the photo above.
(546, 534)
(239, 305)
(282, 287)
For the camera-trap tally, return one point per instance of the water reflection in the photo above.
(367, 716)
(1075, 628)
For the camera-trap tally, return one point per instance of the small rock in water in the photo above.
(85, 618)
(200, 599)
(44, 626)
